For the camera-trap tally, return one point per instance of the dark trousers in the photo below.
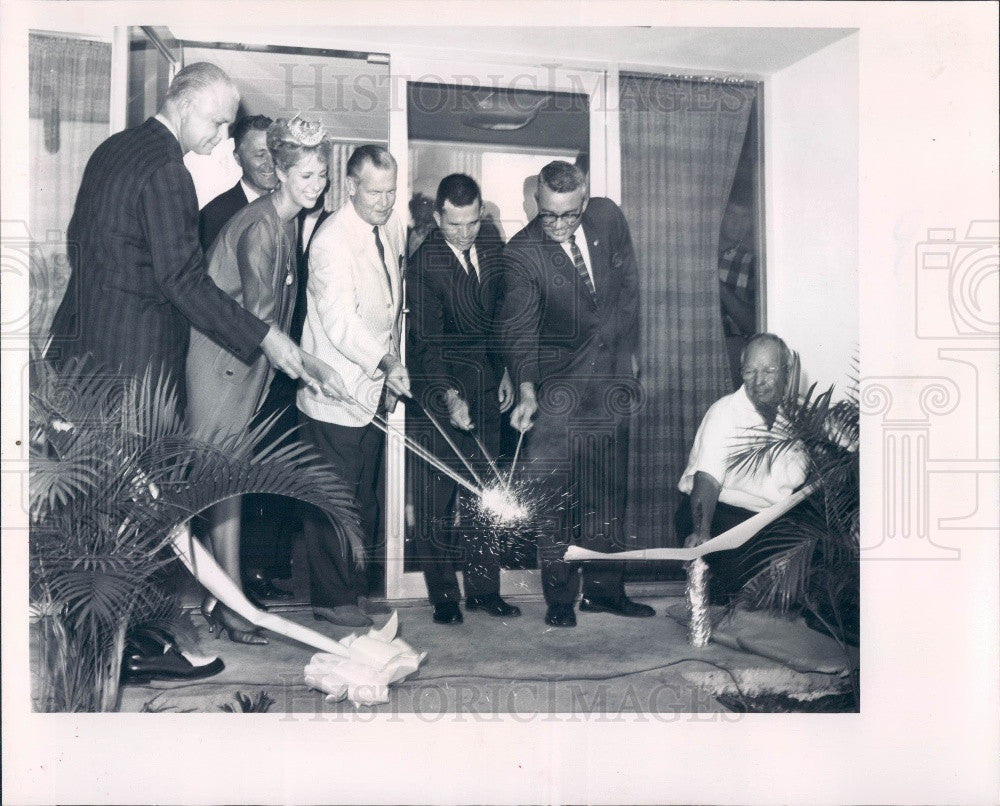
(270, 522)
(356, 454)
(729, 570)
(577, 466)
(442, 545)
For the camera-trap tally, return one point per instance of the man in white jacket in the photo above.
(354, 307)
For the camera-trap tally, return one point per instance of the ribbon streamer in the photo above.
(358, 667)
(207, 571)
(731, 539)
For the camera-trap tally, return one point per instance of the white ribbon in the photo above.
(734, 538)
(358, 667)
(207, 571)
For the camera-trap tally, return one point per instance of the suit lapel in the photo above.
(458, 284)
(561, 262)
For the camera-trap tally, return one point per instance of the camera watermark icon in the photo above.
(963, 272)
(35, 273)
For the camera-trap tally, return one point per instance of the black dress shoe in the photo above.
(493, 605)
(447, 613)
(151, 655)
(259, 586)
(560, 615)
(620, 607)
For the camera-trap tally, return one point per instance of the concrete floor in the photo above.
(489, 667)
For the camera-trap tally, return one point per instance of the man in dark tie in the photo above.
(138, 281)
(252, 155)
(353, 320)
(453, 285)
(570, 323)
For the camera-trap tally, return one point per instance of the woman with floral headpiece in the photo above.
(253, 260)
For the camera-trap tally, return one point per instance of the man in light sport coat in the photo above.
(353, 318)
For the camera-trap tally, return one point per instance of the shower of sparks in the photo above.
(501, 506)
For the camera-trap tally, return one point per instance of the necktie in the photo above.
(581, 268)
(467, 257)
(381, 256)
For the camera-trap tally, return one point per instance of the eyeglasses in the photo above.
(767, 372)
(569, 219)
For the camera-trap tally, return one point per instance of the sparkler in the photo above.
(419, 450)
(451, 442)
(517, 451)
(492, 464)
(498, 503)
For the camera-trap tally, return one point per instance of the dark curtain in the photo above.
(680, 143)
(68, 117)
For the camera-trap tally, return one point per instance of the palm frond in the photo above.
(113, 471)
(249, 705)
(811, 554)
(782, 579)
(53, 482)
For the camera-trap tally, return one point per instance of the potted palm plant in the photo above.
(112, 472)
(808, 561)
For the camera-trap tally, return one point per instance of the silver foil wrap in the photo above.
(697, 594)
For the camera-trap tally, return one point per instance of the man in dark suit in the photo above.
(253, 156)
(138, 281)
(453, 285)
(570, 323)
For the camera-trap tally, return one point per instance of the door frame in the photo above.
(604, 181)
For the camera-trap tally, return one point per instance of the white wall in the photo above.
(811, 202)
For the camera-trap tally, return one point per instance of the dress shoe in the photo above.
(151, 655)
(260, 586)
(342, 615)
(493, 605)
(560, 615)
(447, 613)
(221, 620)
(371, 608)
(620, 607)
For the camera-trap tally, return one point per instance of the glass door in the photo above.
(499, 124)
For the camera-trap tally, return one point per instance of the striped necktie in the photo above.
(581, 269)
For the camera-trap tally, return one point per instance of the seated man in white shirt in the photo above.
(717, 497)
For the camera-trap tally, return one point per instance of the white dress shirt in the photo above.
(251, 193)
(473, 257)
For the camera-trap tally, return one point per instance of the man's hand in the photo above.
(458, 411)
(505, 394)
(396, 376)
(325, 377)
(696, 539)
(520, 418)
(284, 354)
